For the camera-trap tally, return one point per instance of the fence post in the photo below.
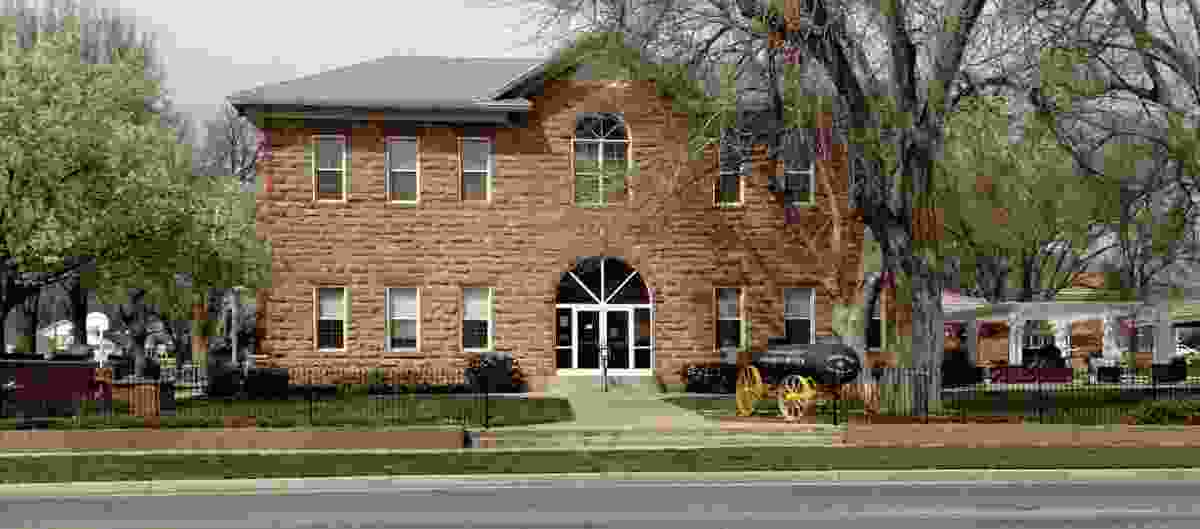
(309, 397)
(487, 412)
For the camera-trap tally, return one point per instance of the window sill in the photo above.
(342, 350)
(802, 205)
(484, 350)
(729, 205)
(404, 353)
(331, 200)
(404, 203)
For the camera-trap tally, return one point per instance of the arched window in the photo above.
(601, 159)
(617, 283)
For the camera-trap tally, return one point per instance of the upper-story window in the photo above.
(733, 159)
(331, 167)
(601, 159)
(402, 172)
(799, 168)
(477, 163)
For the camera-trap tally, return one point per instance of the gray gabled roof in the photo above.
(400, 83)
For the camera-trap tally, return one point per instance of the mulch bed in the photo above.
(949, 419)
(1014, 435)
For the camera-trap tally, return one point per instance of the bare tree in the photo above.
(896, 69)
(230, 147)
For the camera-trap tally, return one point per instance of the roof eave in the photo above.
(507, 105)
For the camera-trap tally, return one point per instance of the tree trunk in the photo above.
(135, 322)
(928, 337)
(4, 310)
(77, 297)
(27, 322)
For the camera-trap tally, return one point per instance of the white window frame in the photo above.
(491, 321)
(812, 312)
(316, 166)
(487, 172)
(812, 183)
(416, 141)
(741, 315)
(811, 172)
(317, 319)
(391, 319)
(721, 172)
(600, 174)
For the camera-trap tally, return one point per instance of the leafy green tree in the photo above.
(95, 173)
(216, 247)
(103, 33)
(78, 175)
(1019, 200)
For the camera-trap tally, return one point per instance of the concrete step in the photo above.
(633, 385)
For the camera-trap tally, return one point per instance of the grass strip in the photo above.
(76, 467)
(353, 412)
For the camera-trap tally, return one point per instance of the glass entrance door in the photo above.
(598, 329)
(616, 328)
(589, 337)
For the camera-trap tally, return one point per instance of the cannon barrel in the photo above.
(826, 363)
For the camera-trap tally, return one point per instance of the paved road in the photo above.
(638, 504)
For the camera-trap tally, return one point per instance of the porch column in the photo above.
(1016, 336)
(1062, 335)
(1111, 348)
(1164, 338)
(972, 341)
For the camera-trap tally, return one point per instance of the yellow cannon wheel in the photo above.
(796, 397)
(749, 389)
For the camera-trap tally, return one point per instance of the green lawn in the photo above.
(727, 407)
(347, 410)
(52, 469)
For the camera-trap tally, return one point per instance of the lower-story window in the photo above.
(402, 319)
(478, 325)
(797, 315)
(729, 317)
(331, 318)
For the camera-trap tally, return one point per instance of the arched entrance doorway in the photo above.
(603, 303)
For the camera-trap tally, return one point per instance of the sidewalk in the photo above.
(364, 483)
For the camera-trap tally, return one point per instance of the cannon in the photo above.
(797, 375)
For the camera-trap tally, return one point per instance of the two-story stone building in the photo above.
(424, 208)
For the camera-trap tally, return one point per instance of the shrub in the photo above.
(1165, 411)
(376, 377)
(711, 378)
(351, 390)
(224, 381)
(267, 383)
(494, 372)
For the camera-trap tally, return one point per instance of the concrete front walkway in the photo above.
(629, 405)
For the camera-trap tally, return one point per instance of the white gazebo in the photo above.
(1062, 314)
(97, 323)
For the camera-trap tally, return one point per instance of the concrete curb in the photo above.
(302, 486)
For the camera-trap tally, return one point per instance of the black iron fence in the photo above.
(1050, 395)
(1159, 395)
(193, 397)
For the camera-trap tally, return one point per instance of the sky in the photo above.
(214, 48)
